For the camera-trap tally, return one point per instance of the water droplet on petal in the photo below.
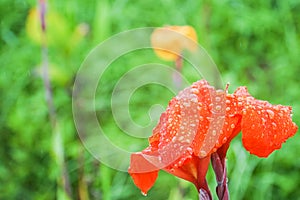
(174, 139)
(270, 113)
(181, 138)
(214, 132)
(195, 90)
(194, 99)
(203, 153)
(274, 125)
(144, 193)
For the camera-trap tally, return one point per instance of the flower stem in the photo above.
(219, 166)
(58, 149)
(203, 189)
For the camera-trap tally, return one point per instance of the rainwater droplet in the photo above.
(144, 193)
(181, 138)
(186, 104)
(218, 98)
(270, 113)
(274, 125)
(194, 100)
(174, 139)
(190, 150)
(203, 153)
(195, 90)
(214, 132)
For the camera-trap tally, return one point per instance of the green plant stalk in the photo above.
(57, 145)
(105, 173)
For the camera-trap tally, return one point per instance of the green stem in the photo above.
(57, 144)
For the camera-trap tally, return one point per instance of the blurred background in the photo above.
(253, 43)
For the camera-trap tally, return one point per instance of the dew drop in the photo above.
(195, 90)
(188, 141)
(174, 139)
(218, 107)
(181, 138)
(144, 193)
(214, 132)
(218, 98)
(203, 153)
(274, 125)
(244, 112)
(159, 158)
(270, 113)
(186, 104)
(194, 99)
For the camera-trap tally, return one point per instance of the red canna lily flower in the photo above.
(198, 126)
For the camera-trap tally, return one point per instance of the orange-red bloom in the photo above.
(201, 121)
(168, 42)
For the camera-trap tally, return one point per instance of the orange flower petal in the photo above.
(168, 44)
(265, 127)
(144, 181)
(143, 172)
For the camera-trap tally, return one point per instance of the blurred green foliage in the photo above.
(254, 43)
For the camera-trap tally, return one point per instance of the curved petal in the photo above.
(265, 127)
(143, 172)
